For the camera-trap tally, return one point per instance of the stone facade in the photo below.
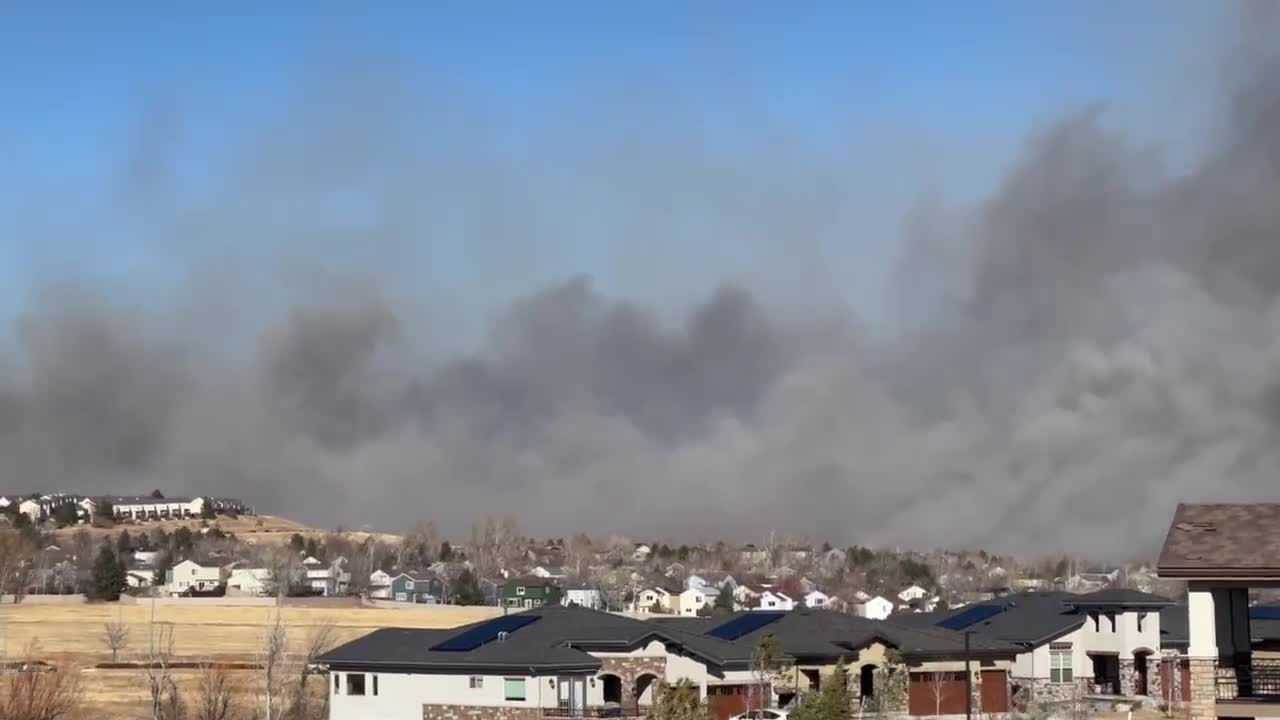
(479, 712)
(1032, 691)
(1204, 688)
(631, 669)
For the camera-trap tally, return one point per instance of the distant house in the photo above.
(190, 575)
(695, 600)
(816, 599)
(148, 508)
(550, 572)
(137, 579)
(877, 608)
(752, 555)
(250, 582)
(327, 581)
(5, 501)
(424, 588)
(640, 553)
(380, 585)
(656, 599)
(720, 581)
(530, 592)
(861, 596)
(33, 509)
(915, 592)
(587, 597)
(146, 558)
(746, 596)
(776, 600)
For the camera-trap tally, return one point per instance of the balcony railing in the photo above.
(1249, 679)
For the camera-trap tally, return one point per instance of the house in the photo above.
(148, 508)
(422, 588)
(550, 572)
(379, 585)
(640, 553)
(719, 580)
(693, 601)
(747, 596)
(861, 596)
(326, 581)
(1103, 643)
(877, 608)
(587, 597)
(915, 592)
(816, 599)
(6, 501)
(145, 558)
(816, 642)
(776, 600)
(86, 508)
(656, 600)
(139, 579)
(551, 661)
(33, 509)
(190, 575)
(250, 582)
(752, 555)
(1222, 551)
(530, 592)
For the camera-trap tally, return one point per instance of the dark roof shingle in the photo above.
(1237, 540)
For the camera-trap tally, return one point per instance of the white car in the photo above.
(769, 714)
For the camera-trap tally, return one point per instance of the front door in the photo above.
(572, 695)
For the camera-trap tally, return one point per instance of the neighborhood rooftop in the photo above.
(1222, 540)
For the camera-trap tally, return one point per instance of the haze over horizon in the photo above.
(1002, 275)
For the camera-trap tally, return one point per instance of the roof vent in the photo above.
(1197, 527)
(502, 636)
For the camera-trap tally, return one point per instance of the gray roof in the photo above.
(1120, 598)
(559, 641)
(1240, 540)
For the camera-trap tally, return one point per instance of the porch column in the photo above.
(1202, 651)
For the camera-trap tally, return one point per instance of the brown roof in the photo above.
(1240, 540)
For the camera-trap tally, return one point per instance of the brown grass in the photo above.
(71, 637)
(266, 529)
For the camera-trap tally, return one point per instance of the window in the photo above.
(355, 683)
(1141, 618)
(1060, 664)
(408, 584)
(337, 683)
(512, 602)
(477, 682)
(513, 688)
(401, 597)
(520, 590)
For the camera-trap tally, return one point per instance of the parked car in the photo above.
(767, 714)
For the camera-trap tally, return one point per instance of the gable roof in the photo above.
(1222, 540)
(1119, 598)
(557, 639)
(1022, 618)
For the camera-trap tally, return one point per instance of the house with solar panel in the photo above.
(560, 661)
(1108, 642)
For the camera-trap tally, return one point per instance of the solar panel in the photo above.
(1265, 613)
(484, 633)
(972, 616)
(744, 624)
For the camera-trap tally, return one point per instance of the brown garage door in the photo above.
(995, 691)
(936, 693)
(725, 701)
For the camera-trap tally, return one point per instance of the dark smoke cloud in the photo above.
(1090, 345)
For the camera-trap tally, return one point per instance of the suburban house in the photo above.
(695, 600)
(816, 599)
(190, 575)
(530, 592)
(555, 661)
(657, 600)
(1103, 643)
(149, 508)
(380, 585)
(776, 600)
(587, 597)
(720, 581)
(640, 553)
(876, 608)
(417, 588)
(915, 592)
(1221, 551)
(752, 555)
(747, 596)
(816, 642)
(250, 582)
(327, 580)
(139, 579)
(550, 572)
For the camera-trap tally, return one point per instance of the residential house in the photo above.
(877, 608)
(816, 642)
(915, 592)
(424, 588)
(582, 596)
(658, 600)
(190, 575)
(1222, 551)
(145, 558)
(695, 600)
(550, 572)
(747, 596)
(1107, 642)
(861, 596)
(327, 581)
(564, 661)
(86, 508)
(640, 553)
(6, 501)
(776, 600)
(135, 507)
(250, 582)
(379, 585)
(816, 599)
(719, 580)
(530, 592)
(139, 579)
(752, 555)
(33, 509)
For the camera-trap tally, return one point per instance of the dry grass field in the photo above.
(71, 636)
(264, 529)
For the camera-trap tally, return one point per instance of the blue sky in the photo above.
(931, 94)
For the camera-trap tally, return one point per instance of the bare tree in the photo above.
(320, 639)
(38, 692)
(272, 658)
(165, 701)
(939, 683)
(282, 564)
(215, 694)
(115, 635)
(15, 551)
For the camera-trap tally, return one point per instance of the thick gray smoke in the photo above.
(1094, 343)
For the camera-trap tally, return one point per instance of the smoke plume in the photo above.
(1091, 344)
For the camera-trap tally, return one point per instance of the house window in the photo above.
(1060, 664)
(337, 683)
(408, 584)
(477, 682)
(401, 597)
(513, 689)
(520, 590)
(355, 683)
(512, 602)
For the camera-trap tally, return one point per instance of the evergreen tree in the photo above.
(297, 543)
(108, 575)
(446, 552)
(124, 543)
(157, 495)
(183, 541)
(466, 590)
(164, 562)
(832, 702)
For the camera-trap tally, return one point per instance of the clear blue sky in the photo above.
(973, 77)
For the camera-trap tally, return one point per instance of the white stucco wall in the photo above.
(1126, 638)
(402, 695)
